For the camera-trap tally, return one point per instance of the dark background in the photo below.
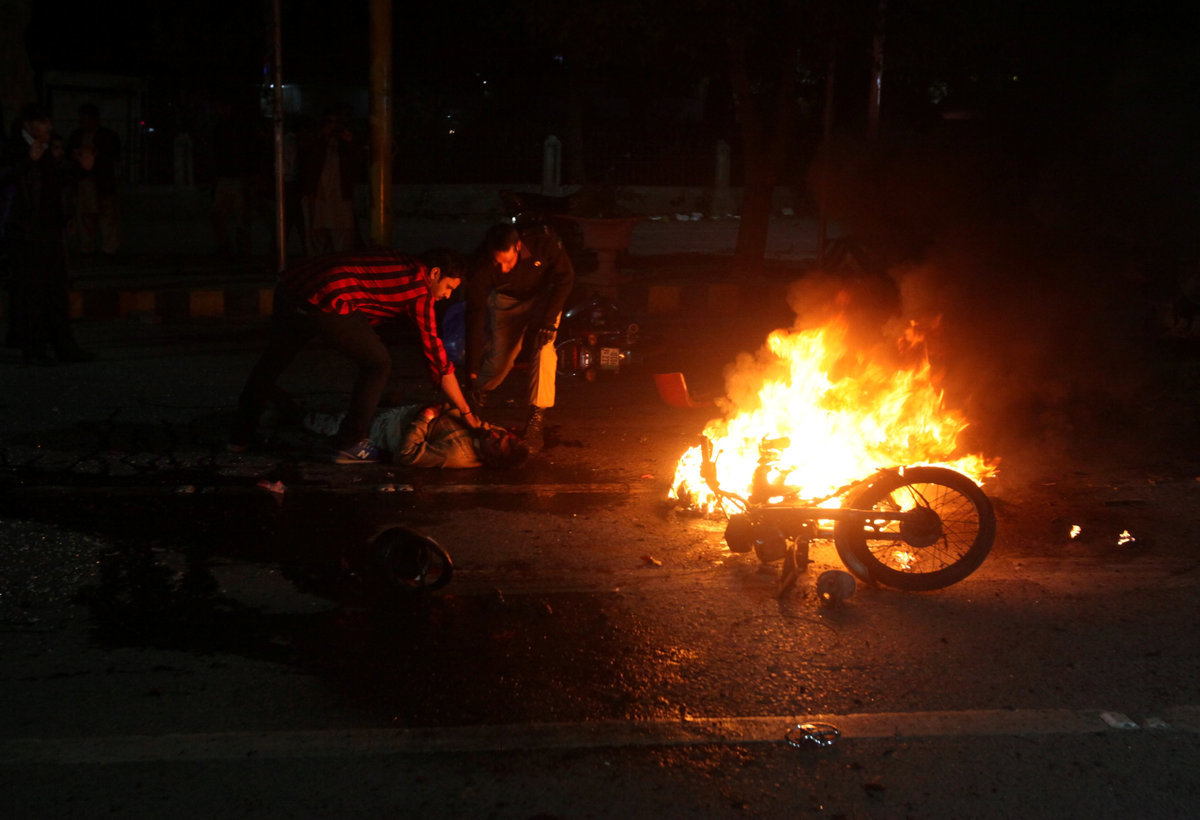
(653, 78)
(1034, 178)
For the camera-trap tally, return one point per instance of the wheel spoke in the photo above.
(960, 526)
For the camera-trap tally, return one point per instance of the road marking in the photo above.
(547, 489)
(737, 731)
(610, 488)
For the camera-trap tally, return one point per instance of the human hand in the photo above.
(544, 337)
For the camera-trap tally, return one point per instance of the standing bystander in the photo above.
(95, 201)
(35, 234)
(519, 281)
(233, 155)
(329, 165)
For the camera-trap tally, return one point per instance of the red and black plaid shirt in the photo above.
(378, 283)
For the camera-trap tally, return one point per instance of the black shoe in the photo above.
(535, 428)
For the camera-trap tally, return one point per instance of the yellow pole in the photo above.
(277, 116)
(381, 123)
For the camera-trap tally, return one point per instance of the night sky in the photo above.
(1074, 48)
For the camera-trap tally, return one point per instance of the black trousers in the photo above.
(39, 305)
(292, 328)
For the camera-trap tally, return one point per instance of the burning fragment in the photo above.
(276, 487)
(1075, 531)
(1125, 539)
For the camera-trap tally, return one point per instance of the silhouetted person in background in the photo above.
(329, 165)
(233, 154)
(95, 201)
(35, 232)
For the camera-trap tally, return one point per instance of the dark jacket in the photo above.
(543, 270)
(107, 147)
(310, 161)
(36, 209)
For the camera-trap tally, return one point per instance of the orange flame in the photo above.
(844, 416)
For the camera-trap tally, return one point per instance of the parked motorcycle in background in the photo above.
(594, 338)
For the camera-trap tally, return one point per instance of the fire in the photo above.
(834, 417)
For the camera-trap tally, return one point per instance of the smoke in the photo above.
(1038, 345)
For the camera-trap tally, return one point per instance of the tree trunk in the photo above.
(763, 153)
(17, 86)
(573, 140)
(754, 228)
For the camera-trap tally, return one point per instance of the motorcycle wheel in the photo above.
(946, 540)
(404, 560)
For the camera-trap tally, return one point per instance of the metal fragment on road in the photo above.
(817, 734)
(1118, 720)
(395, 488)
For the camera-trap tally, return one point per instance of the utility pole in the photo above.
(825, 158)
(876, 71)
(381, 123)
(277, 115)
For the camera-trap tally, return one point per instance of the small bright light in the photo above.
(451, 131)
(1124, 538)
(1075, 530)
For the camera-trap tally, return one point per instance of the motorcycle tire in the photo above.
(946, 540)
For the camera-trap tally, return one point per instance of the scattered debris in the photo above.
(817, 734)
(1118, 720)
(834, 587)
(651, 561)
(272, 487)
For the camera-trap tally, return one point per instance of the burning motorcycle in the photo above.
(912, 528)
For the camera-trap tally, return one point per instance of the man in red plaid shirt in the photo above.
(340, 298)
